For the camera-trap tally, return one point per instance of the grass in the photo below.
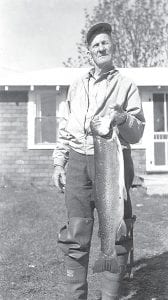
(32, 267)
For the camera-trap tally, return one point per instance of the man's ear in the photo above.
(88, 53)
(89, 57)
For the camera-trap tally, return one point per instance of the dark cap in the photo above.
(96, 29)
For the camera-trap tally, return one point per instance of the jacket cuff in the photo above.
(132, 130)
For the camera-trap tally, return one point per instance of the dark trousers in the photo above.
(79, 181)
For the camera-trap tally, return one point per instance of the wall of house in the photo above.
(20, 165)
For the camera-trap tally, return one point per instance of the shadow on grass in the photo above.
(149, 281)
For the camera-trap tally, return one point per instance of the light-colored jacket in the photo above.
(74, 129)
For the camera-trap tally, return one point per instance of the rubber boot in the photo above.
(76, 279)
(110, 286)
(111, 282)
(74, 240)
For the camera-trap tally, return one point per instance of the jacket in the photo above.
(81, 105)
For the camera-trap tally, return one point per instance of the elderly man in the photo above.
(102, 88)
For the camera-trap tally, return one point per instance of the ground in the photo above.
(32, 267)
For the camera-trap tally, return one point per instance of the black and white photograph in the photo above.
(83, 149)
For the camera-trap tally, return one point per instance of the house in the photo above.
(30, 108)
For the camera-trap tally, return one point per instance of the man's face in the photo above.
(101, 50)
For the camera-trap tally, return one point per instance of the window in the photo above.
(44, 111)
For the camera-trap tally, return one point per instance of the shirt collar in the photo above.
(112, 72)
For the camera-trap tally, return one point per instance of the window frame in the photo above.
(33, 103)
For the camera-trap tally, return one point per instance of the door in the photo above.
(158, 158)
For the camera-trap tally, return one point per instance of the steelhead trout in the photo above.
(109, 192)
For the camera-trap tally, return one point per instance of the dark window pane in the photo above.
(48, 104)
(167, 109)
(159, 154)
(158, 102)
(46, 129)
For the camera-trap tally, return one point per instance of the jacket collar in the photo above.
(112, 72)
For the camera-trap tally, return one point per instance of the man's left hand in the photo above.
(117, 115)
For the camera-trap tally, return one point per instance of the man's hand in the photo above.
(118, 115)
(102, 125)
(59, 178)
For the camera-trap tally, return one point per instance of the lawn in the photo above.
(32, 267)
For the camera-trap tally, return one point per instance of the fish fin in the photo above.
(121, 231)
(106, 263)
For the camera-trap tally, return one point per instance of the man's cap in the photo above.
(96, 29)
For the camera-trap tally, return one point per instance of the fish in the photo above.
(109, 192)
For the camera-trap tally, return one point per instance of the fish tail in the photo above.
(106, 263)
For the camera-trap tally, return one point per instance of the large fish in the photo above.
(109, 189)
